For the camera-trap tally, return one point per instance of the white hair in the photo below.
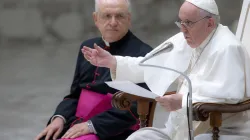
(216, 18)
(97, 3)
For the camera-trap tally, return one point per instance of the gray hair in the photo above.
(216, 18)
(127, 1)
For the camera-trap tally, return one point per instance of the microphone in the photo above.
(168, 46)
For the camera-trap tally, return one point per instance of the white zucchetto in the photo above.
(207, 5)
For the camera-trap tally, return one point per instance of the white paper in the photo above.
(131, 88)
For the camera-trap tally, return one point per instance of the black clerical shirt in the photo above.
(113, 122)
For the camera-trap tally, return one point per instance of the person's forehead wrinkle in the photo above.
(189, 11)
(117, 10)
(104, 7)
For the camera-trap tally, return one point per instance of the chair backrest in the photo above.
(243, 29)
(243, 34)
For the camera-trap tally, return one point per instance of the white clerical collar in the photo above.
(106, 42)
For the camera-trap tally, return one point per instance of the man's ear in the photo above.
(211, 22)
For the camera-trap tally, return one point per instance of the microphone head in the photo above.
(169, 46)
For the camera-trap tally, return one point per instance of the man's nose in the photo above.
(183, 29)
(113, 21)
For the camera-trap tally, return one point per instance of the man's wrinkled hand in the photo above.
(171, 102)
(53, 129)
(76, 131)
(99, 57)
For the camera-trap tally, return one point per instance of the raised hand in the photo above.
(99, 57)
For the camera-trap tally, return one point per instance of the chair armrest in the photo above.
(201, 111)
(123, 101)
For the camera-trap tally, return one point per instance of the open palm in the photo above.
(98, 56)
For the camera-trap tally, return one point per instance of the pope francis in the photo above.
(214, 60)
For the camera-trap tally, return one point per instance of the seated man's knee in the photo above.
(140, 134)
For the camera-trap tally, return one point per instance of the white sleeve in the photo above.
(128, 69)
(60, 116)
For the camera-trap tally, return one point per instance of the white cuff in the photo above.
(184, 100)
(113, 74)
(60, 116)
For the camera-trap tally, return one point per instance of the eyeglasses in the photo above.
(188, 23)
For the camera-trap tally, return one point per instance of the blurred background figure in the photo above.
(39, 42)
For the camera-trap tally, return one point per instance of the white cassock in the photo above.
(219, 72)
